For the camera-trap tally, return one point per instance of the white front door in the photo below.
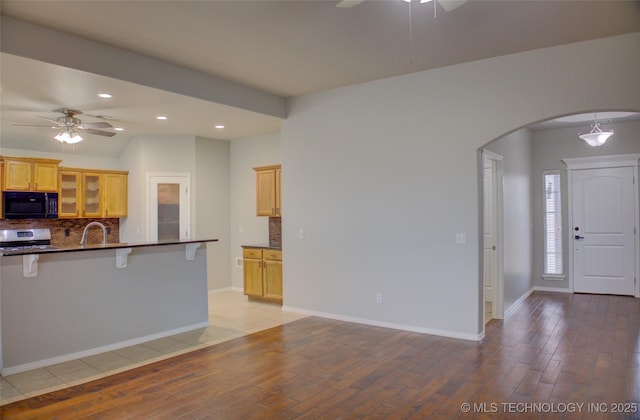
(603, 230)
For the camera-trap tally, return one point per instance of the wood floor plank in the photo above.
(555, 348)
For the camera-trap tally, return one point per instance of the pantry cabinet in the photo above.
(263, 273)
(88, 193)
(30, 174)
(268, 191)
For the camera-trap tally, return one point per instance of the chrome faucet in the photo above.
(83, 241)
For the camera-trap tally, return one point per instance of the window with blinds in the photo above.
(552, 224)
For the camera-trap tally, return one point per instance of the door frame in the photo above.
(498, 288)
(601, 162)
(182, 178)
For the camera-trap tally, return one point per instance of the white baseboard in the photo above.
(225, 289)
(402, 327)
(517, 303)
(551, 289)
(97, 350)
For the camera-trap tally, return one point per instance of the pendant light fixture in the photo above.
(596, 137)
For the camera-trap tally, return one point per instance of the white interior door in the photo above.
(603, 202)
(168, 207)
(493, 259)
(490, 265)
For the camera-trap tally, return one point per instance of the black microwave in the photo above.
(29, 205)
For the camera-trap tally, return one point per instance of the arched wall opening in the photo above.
(526, 154)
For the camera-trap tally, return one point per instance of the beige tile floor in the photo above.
(231, 315)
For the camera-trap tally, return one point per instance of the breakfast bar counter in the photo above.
(90, 299)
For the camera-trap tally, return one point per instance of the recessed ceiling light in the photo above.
(105, 95)
(118, 128)
(220, 126)
(161, 117)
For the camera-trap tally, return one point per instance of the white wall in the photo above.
(212, 207)
(246, 227)
(517, 245)
(549, 148)
(144, 154)
(207, 161)
(382, 175)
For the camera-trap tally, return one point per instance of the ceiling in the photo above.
(284, 48)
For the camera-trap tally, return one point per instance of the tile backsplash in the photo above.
(75, 227)
(275, 232)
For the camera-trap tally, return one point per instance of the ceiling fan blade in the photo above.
(33, 125)
(449, 5)
(95, 125)
(345, 4)
(102, 117)
(97, 132)
(49, 119)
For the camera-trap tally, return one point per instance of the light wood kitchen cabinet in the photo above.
(252, 263)
(115, 194)
(268, 191)
(92, 193)
(69, 194)
(272, 273)
(30, 174)
(263, 273)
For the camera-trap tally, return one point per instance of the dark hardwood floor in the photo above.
(557, 350)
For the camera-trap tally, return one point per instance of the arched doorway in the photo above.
(529, 154)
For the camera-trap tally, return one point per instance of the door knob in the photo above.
(579, 237)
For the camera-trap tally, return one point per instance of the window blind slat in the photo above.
(553, 224)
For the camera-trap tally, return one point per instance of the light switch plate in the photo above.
(461, 238)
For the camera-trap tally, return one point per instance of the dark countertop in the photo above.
(263, 246)
(94, 247)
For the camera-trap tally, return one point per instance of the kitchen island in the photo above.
(59, 304)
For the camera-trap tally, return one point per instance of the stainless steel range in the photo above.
(18, 239)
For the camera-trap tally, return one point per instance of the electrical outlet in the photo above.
(108, 231)
(67, 232)
(379, 298)
(239, 262)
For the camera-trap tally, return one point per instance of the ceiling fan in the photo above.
(69, 125)
(447, 5)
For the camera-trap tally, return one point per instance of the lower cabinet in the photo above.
(263, 273)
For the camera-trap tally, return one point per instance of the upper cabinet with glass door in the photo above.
(92, 193)
(70, 194)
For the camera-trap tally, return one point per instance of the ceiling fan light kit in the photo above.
(68, 127)
(69, 137)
